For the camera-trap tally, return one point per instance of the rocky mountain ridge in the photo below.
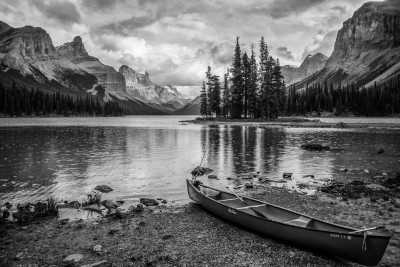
(29, 52)
(367, 47)
(310, 65)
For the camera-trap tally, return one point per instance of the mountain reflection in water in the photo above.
(37, 162)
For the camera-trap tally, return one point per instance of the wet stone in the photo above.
(103, 188)
(149, 202)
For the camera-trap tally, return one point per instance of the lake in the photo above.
(151, 156)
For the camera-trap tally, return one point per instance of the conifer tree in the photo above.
(246, 76)
(226, 96)
(216, 95)
(210, 98)
(237, 83)
(253, 88)
(265, 80)
(203, 101)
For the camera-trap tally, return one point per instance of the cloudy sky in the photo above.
(175, 40)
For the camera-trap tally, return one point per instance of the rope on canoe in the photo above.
(364, 244)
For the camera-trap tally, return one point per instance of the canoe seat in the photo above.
(300, 221)
(209, 192)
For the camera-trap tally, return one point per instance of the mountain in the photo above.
(367, 47)
(107, 76)
(28, 56)
(192, 108)
(139, 85)
(310, 65)
(29, 52)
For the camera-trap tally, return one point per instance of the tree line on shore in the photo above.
(16, 101)
(249, 90)
(378, 100)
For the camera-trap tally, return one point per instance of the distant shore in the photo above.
(295, 122)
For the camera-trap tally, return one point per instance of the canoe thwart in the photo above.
(250, 207)
(300, 221)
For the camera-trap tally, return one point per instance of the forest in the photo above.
(378, 100)
(17, 101)
(257, 90)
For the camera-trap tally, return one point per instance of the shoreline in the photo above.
(291, 123)
(187, 235)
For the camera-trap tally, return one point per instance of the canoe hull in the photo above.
(347, 246)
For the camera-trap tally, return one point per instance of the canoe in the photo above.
(365, 248)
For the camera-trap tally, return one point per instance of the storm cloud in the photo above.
(62, 11)
(176, 40)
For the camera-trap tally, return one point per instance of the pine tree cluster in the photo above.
(17, 101)
(250, 90)
(378, 100)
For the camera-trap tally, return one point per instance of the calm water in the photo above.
(150, 156)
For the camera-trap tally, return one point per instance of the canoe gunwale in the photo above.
(374, 235)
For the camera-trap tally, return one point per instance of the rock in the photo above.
(166, 237)
(287, 175)
(163, 201)
(312, 146)
(139, 208)
(241, 253)
(380, 151)
(24, 227)
(149, 202)
(212, 176)
(112, 231)
(309, 175)
(74, 257)
(95, 264)
(198, 171)
(343, 170)
(64, 221)
(109, 205)
(7, 205)
(366, 171)
(19, 256)
(248, 185)
(103, 188)
(229, 178)
(291, 254)
(341, 125)
(97, 248)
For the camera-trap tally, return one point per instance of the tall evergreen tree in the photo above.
(216, 103)
(226, 96)
(237, 83)
(210, 97)
(203, 101)
(253, 87)
(266, 93)
(246, 77)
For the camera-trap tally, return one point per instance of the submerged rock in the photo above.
(211, 176)
(149, 202)
(103, 188)
(312, 146)
(287, 175)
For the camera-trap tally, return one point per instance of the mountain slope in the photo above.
(28, 56)
(367, 48)
(30, 51)
(165, 98)
(192, 108)
(310, 65)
